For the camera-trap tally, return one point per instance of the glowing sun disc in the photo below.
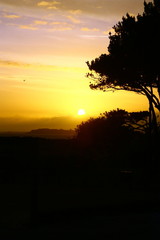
(81, 112)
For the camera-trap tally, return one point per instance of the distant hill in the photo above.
(52, 133)
(42, 133)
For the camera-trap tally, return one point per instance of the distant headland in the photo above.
(42, 133)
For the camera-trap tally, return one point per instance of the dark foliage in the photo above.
(132, 60)
(112, 127)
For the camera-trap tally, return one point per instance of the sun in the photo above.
(81, 112)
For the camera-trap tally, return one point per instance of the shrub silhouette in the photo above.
(112, 127)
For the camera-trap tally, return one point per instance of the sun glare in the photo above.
(81, 112)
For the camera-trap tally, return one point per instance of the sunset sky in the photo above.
(44, 46)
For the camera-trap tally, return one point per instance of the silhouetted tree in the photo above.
(139, 121)
(135, 121)
(132, 61)
(112, 127)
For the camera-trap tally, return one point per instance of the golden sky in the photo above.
(44, 47)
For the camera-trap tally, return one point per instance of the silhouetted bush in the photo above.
(112, 128)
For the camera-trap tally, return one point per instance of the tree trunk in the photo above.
(154, 148)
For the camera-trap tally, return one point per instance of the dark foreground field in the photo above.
(54, 189)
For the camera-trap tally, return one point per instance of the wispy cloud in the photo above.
(75, 12)
(28, 27)
(10, 63)
(48, 4)
(11, 16)
(40, 22)
(96, 7)
(58, 23)
(46, 25)
(60, 28)
(86, 29)
(13, 63)
(73, 19)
